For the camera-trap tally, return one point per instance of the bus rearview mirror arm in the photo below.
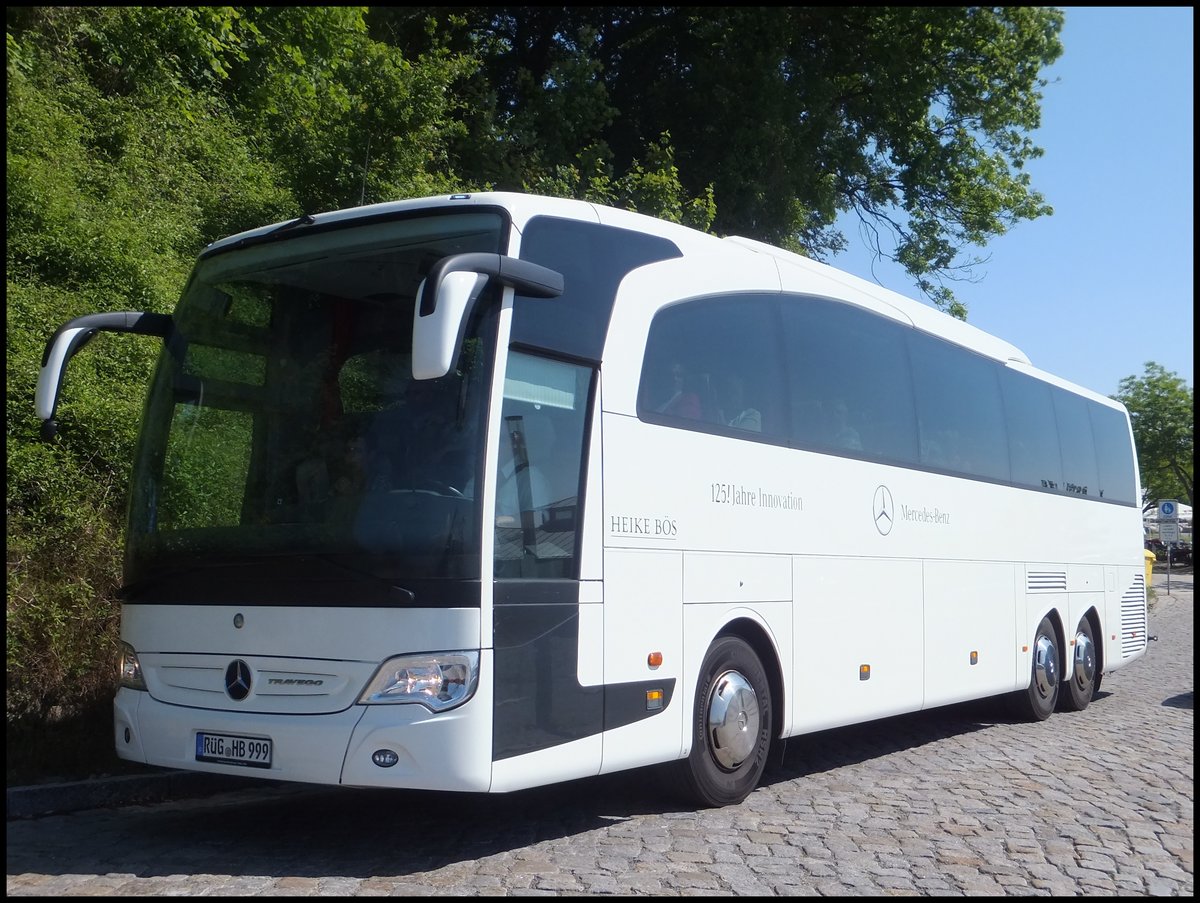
(448, 294)
(72, 336)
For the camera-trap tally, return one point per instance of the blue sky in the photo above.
(1105, 284)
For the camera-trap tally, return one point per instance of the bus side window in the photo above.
(695, 353)
(838, 357)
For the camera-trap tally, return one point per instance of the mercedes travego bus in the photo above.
(490, 491)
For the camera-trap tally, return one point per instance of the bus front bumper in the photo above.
(398, 746)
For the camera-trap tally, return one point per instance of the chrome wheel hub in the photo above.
(1085, 661)
(1045, 667)
(732, 719)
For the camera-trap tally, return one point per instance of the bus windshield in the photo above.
(285, 442)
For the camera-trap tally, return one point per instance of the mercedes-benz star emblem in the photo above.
(237, 680)
(882, 509)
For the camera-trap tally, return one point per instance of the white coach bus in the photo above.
(491, 491)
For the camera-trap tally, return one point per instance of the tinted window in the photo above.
(844, 380)
(1080, 474)
(593, 260)
(850, 388)
(960, 417)
(714, 364)
(1114, 454)
(1032, 431)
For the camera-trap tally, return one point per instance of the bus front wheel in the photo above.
(1038, 700)
(731, 725)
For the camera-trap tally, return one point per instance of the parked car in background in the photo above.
(1176, 552)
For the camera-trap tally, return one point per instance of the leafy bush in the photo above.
(136, 135)
(110, 198)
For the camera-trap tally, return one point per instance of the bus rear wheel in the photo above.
(1037, 701)
(731, 726)
(1082, 681)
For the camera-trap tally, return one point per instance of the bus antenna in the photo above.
(366, 165)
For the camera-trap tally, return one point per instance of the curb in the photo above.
(125, 790)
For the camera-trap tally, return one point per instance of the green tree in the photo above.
(915, 119)
(1162, 408)
(652, 187)
(348, 119)
(136, 135)
(342, 118)
(113, 186)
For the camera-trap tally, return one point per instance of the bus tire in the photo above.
(1038, 700)
(1082, 675)
(731, 726)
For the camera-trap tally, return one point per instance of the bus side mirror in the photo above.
(448, 294)
(438, 336)
(72, 336)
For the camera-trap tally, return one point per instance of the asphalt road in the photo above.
(958, 801)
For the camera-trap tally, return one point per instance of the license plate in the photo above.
(230, 749)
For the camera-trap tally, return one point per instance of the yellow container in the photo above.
(1150, 559)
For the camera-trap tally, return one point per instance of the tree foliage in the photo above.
(113, 187)
(914, 119)
(1162, 408)
(137, 135)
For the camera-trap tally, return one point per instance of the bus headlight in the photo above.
(129, 669)
(437, 680)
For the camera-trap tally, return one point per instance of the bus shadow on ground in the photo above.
(300, 831)
(858, 743)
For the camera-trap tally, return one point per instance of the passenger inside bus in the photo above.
(685, 398)
(735, 411)
(313, 483)
(361, 469)
(844, 435)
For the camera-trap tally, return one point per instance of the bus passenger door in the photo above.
(548, 709)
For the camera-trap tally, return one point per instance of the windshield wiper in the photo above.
(305, 219)
(383, 581)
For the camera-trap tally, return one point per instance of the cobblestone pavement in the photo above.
(960, 801)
